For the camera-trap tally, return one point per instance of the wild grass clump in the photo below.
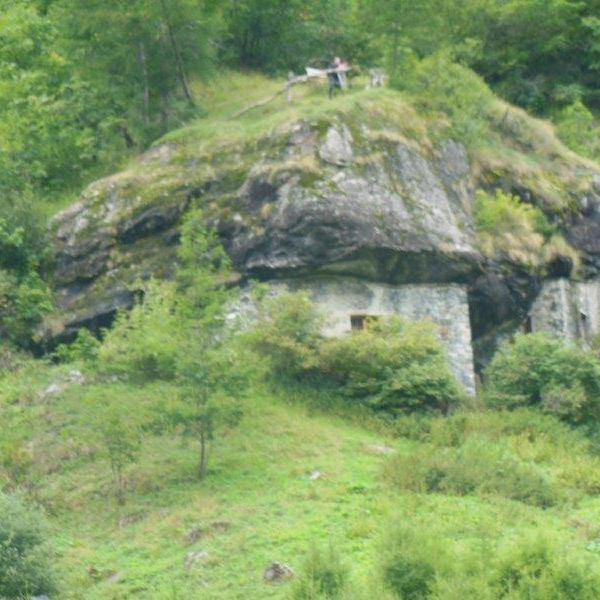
(418, 562)
(537, 370)
(476, 467)
(324, 575)
(510, 228)
(522, 455)
(392, 366)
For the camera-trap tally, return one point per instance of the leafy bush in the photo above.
(23, 304)
(441, 85)
(288, 334)
(476, 467)
(25, 567)
(542, 569)
(578, 129)
(324, 576)
(408, 561)
(143, 343)
(393, 365)
(85, 347)
(538, 370)
(24, 296)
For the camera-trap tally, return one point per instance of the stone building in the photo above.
(347, 303)
(567, 309)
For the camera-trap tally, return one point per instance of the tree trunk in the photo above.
(119, 482)
(395, 48)
(177, 55)
(120, 489)
(164, 111)
(129, 141)
(203, 456)
(144, 66)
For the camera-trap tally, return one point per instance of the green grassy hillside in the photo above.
(260, 504)
(479, 504)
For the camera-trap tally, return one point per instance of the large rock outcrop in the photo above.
(343, 195)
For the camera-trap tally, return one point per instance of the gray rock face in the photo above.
(403, 218)
(330, 202)
(327, 200)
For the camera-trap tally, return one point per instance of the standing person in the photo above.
(333, 76)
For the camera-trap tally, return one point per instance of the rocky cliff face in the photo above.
(345, 194)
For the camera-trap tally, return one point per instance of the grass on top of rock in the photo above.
(503, 141)
(508, 227)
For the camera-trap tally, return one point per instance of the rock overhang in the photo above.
(329, 198)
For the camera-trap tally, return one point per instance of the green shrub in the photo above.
(408, 561)
(393, 365)
(538, 370)
(143, 343)
(440, 85)
(84, 347)
(25, 298)
(287, 333)
(324, 576)
(25, 567)
(542, 569)
(578, 129)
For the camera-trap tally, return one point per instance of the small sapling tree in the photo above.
(212, 386)
(209, 370)
(120, 437)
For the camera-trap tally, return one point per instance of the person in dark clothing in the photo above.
(333, 77)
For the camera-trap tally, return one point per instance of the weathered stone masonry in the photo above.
(446, 305)
(567, 309)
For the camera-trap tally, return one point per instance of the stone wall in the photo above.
(567, 309)
(444, 304)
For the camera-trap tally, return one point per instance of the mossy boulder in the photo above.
(356, 188)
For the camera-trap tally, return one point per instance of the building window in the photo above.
(361, 322)
(358, 322)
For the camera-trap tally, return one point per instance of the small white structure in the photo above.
(568, 309)
(347, 303)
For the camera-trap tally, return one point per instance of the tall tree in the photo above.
(141, 54)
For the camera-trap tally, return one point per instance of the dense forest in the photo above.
(191, 449)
